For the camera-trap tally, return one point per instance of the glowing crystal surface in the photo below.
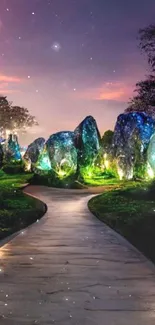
(131, 138)
(13, 148)
(151, 155)
(34, 149)
(43, 162)
(62, 153)
(87, 140)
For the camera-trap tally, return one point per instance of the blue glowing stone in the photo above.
(87, 141)
(62, 154)
(34, 149)
(131, 139)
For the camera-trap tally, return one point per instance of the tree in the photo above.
(14, 118)
(144, 101)
(106, 140)
(147, 44)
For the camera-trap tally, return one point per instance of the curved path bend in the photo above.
(71, 269)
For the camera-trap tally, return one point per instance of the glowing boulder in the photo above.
(34, 149)
(12, 148)
(32, 153)
(151, 157)
(87, 140)
(62, 154)
(130, 142)
(43, 162)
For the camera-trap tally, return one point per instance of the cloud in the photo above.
(4, 78)
(8, 84)
(113, 91)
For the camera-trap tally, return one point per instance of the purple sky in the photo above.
(65, 59)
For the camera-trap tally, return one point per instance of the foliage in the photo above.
(144, 101)
(13, 168)
(17, 210)
(14, 118)
(147, 44)
(53, 180)
(106, 140)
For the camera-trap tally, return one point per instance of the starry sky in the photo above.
(65, 59)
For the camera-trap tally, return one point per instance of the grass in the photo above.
(17, 210)
(99, 181)
(131, 212)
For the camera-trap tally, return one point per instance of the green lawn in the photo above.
(131, 212)
(17, 210)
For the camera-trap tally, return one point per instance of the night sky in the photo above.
(65, 59)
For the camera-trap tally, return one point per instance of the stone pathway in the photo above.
(70, 269)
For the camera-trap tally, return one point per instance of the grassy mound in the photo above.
(131, 212)
(17, 210)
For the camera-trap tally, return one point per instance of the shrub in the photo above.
(13, 168)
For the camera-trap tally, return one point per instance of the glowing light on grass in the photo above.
(27, 165)
(65, 168)
(63, 154)
(120, 173)
(150, 172)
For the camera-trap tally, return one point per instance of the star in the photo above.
(56, 47)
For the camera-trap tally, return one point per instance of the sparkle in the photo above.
(33, 13)
(28, 77)
(56, 47)
(7, 9)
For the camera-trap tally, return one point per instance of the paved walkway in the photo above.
(70, 269)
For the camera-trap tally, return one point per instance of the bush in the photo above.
(13, 168)
(2, 174)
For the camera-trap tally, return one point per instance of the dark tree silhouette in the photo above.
(147, 44)
(144, 101)
(14, 118)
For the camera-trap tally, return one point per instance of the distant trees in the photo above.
(147, 44)
(106, 140)
(14, 118)
(144, 101)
